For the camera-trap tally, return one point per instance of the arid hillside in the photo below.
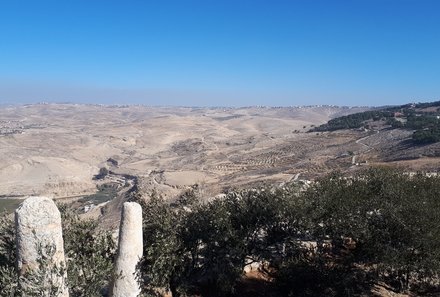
(56, 149)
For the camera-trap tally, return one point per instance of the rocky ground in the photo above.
(57, 149)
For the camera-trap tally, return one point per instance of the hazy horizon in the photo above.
(17, 103)
(220, 53)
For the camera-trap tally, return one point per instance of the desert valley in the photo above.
(94, 158)
(57, 149)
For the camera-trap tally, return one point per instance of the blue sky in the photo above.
(218, 53)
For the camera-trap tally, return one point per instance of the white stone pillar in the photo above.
(39, 236)
(130, 248)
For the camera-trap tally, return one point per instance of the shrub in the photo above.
(90, 254)
(337, 238)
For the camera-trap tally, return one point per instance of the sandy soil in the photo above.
(56, 149)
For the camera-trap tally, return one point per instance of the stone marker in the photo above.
(39, 236)
(130, 249)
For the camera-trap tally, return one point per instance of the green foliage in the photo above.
(421, 121)
(8, 281)
(202, 248)
(394, 123)
(216, 247)
(336, 238)
(425, 123)
(313, 273)
(391, 217)
(163, 258)
(7, 241)
(356, 120)
(45, 281)
(428, 104)
(90, 253)
(8, 273)
(8, 205)
(106, 192)
(103, 172)
(426, 136)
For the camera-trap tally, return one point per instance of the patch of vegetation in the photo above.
(353, 121)
(103, 172)
(90, 254)
(106, 192)
(426, 136)
(9, 205)
(337, 238)
(424, 118)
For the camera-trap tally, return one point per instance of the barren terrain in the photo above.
(57, 149)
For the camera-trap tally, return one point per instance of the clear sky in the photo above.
(218, 53)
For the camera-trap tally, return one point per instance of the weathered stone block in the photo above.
(130, 249)
(40, 247)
